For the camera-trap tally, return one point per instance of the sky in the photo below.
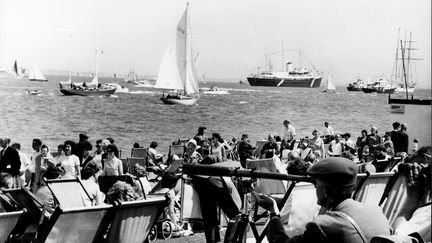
(342, 38)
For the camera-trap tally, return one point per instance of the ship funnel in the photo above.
(289, 67)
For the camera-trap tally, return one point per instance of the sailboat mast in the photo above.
(408, 59)
(395, 70)
(97, 40)
(404, 73)
(186, 45)
(282, 56)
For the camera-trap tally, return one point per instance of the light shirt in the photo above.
(33, 156)
(336, 147)
(25, 161)
(69, 164)
(288, 133)
(94, 192)
(113, 167)
(328, 131)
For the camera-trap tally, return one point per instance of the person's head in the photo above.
(36, 144)
(110, 149)
(387, 136)
(139, 171)
(205, 148)
(16, 146)
(83, 137)
(374, 130)
(88, 172)
(286, 123)
(293, 156)
(338, 138)
(136, 145)
(153, 145)
(105, 144)
(346, 136)
(244, 137)
(6, 181)
(44, 150)
(191, 145)
(271, 138)
(98, 145)
(364, 133)
(315, 133)
(396, 125)
(278, 139)
(69, 146)
(121, 191)
(61, 149)
(326, 124)
(86, 147)
(53, 172)
(415, 140)
(404, 127)
(216, 138)
(311, 158)
(335, 180)
(201, 130)
(4, 142)
(110, 139)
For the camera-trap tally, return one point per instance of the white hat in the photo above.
(193, 141)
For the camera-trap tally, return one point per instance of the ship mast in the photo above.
(404, 73)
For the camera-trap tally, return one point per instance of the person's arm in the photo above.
(77, 168)
(120, 167)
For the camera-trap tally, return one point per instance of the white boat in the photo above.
(214, 91)
(119, 88)
(33, 92)
(384, 86)
(330, 86)
(36, 75)
(132, 77)
(178, 70)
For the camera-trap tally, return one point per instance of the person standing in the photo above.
(374, 135)
(328, 132)
(112, 166)
(79, 147)
(30, 172)
(70, 162)
(288, 134)
(245, 150)
(200, 135)
(361, 142)
(345, 221)
(318, 144)
(404, 138)
(25, 163)
(9, 158)
(336, 147)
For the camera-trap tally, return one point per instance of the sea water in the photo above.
(140, 116)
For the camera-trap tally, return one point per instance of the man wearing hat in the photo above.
(345, 221)
(83, 138)
(200, 135)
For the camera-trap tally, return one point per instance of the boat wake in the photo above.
(243, 102)
(142, 92)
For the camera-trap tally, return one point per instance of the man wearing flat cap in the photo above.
(346, 220)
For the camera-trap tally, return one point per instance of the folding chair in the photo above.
(126, 165)
(141, 161)
(69, 193)
(175, 150)
(266, 186)
(139, 152)
(75, 225)
(133, 220)
(7, 223)
(372, 189)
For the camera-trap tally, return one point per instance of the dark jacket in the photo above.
(331, 227)
(10, 161)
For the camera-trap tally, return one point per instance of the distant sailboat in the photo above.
(16, 71)
(178, 70)
(330, 87)
(132, 77)
(36, 75)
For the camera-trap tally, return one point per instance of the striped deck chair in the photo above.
(133, 220)
(141, 161)
(372, 188)
(69, 193)
(401, 200)
(7, 223)
(178, 150)
(75, 225)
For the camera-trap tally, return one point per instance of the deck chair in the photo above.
(175, 150)
(126, 165)
(69, 193)
(401, 200)
(34, 209)
(106, 182)
(141, 161)
(7, 223)
(266, 186)
(258, 148)
(133, 220)
(75, 225)
(372, 189)
(139, 152)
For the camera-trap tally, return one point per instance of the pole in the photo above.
(403, 66)
(282, 54)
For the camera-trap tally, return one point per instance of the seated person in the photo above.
(191, 155)
(269, 149)
(154, 158)
(89, 180)
(168, 184)
(140, 173)
(120, 192)
(44, 193)
(6, 182)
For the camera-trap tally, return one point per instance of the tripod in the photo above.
(237, 227)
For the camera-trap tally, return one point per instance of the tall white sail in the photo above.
(178, 69)
(330, 84)
(168, 75)
(36, 74)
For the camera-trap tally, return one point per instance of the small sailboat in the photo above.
(132, 77)
(18, 73)
(36, 75)
(330, 86)
(178, 69)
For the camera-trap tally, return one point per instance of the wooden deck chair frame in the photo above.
(8, 220)
(48, 227)
(178, 150)
(259, 146)
(50, 183)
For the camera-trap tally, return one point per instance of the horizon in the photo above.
(347, 39)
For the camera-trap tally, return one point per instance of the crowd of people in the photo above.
(292, 155)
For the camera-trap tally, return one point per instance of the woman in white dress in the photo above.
(70, 162)
(112, 166)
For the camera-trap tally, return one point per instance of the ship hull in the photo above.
(382, 90)
(280, 82)
(369, 90)
(39, 80)
(102, 92)
(354, 89)
(184, 100)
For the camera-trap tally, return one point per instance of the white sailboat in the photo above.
(178, 70)
(403, 65)
(17, 71)
(132, 77)
(330, 86)
(36, 75)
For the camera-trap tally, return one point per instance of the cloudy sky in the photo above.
(344, 38)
